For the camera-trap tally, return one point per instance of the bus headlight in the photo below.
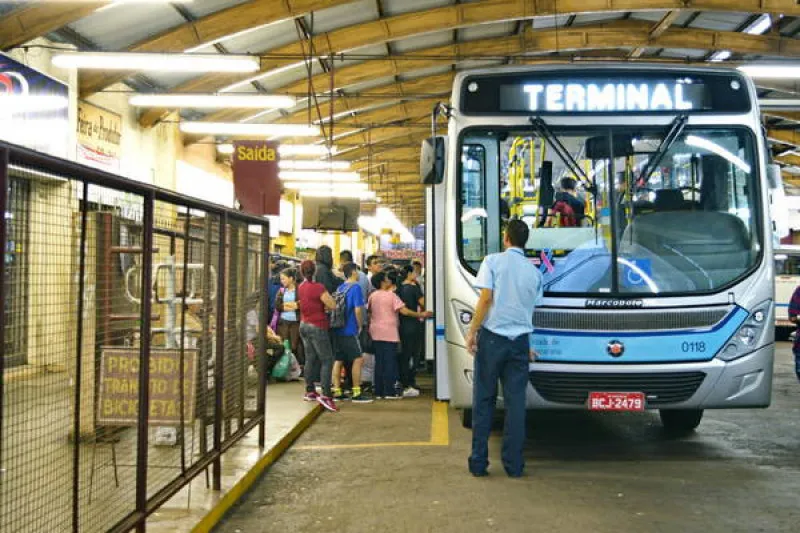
(464, 315)
(749, 334)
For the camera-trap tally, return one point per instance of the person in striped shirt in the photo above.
(794, 311)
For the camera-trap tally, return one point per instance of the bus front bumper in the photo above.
(743, 383)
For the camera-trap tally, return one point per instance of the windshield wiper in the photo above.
(544, 132)
(675, 129)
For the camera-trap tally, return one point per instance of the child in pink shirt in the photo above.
(384, 306)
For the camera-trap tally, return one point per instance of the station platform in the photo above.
(196, 508)
(401, 467)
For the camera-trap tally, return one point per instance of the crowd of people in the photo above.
(340, 321)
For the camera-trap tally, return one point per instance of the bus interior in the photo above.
(674, 206)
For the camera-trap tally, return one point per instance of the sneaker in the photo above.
(411, 392)
(340, 397)
(310, 397)
(362, 398)
(328, 403)
(394, 397)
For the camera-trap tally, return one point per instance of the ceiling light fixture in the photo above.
(771, 71)
(331, 193)
(304, 186)
(259, 130)
(305, 175)
(213, 101)
(314, 150)
(289, 164)
(157, 62)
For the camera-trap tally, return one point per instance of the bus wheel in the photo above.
(466, 418)
(681, 421)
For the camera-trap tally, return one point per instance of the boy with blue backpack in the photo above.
(347, 348)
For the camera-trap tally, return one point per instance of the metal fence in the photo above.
(132, 319)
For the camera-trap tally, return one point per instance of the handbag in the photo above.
(282, 367)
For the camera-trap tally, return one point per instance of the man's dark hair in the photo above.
(324, 256)
(417, 264)
(517, 232)
(404, 272)
(346, 256)
(568, 184)
(394, 276)
(377, 279)
(348, 270)
(371, 259)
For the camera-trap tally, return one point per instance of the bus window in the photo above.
(688, 224)
(474, 214)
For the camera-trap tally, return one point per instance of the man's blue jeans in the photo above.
(499, 358)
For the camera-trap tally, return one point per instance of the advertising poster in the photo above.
(34, 109)
(99, 137)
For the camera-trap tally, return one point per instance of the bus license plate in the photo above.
(616, 401)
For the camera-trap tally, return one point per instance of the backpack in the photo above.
(338, 317)
(565, 213)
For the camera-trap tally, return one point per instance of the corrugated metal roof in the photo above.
(342, 16)
(121, 26)
(201, 8)
(397, 7)
(486, 31)
(429, 40)
(263, 39)
(720, 21)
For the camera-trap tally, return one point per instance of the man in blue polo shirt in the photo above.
(499, 337)
(347, 347)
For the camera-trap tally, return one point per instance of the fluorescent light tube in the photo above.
(780, 103)
(213, 101)
(364, 195)
(225, 149)
(305, 175)
(722, 55)
(156, 62)
(259, 130)
(771, 71)
(318, 150)
(326, 186)
(288, 164)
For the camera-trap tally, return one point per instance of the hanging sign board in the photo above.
(255, 177)
(99, 137)
(33, 109)
(118, 394)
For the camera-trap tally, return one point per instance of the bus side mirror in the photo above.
(432, 158)
(778, 206)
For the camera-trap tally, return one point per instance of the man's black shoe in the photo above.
(482, 473)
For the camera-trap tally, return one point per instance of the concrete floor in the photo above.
(586, 473)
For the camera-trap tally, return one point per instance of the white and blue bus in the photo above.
(659, 280)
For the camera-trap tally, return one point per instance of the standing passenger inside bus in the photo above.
(568, 205)
(794, 312)
(511, 286)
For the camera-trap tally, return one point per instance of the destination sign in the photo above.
(596, 91)
(559, 97)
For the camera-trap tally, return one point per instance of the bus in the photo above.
(658, 283)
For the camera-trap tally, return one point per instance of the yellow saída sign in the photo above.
(118, 398)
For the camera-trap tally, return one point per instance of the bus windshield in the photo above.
(651, 211)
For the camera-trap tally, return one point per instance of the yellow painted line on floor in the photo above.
(230, 498)
(440, 435)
